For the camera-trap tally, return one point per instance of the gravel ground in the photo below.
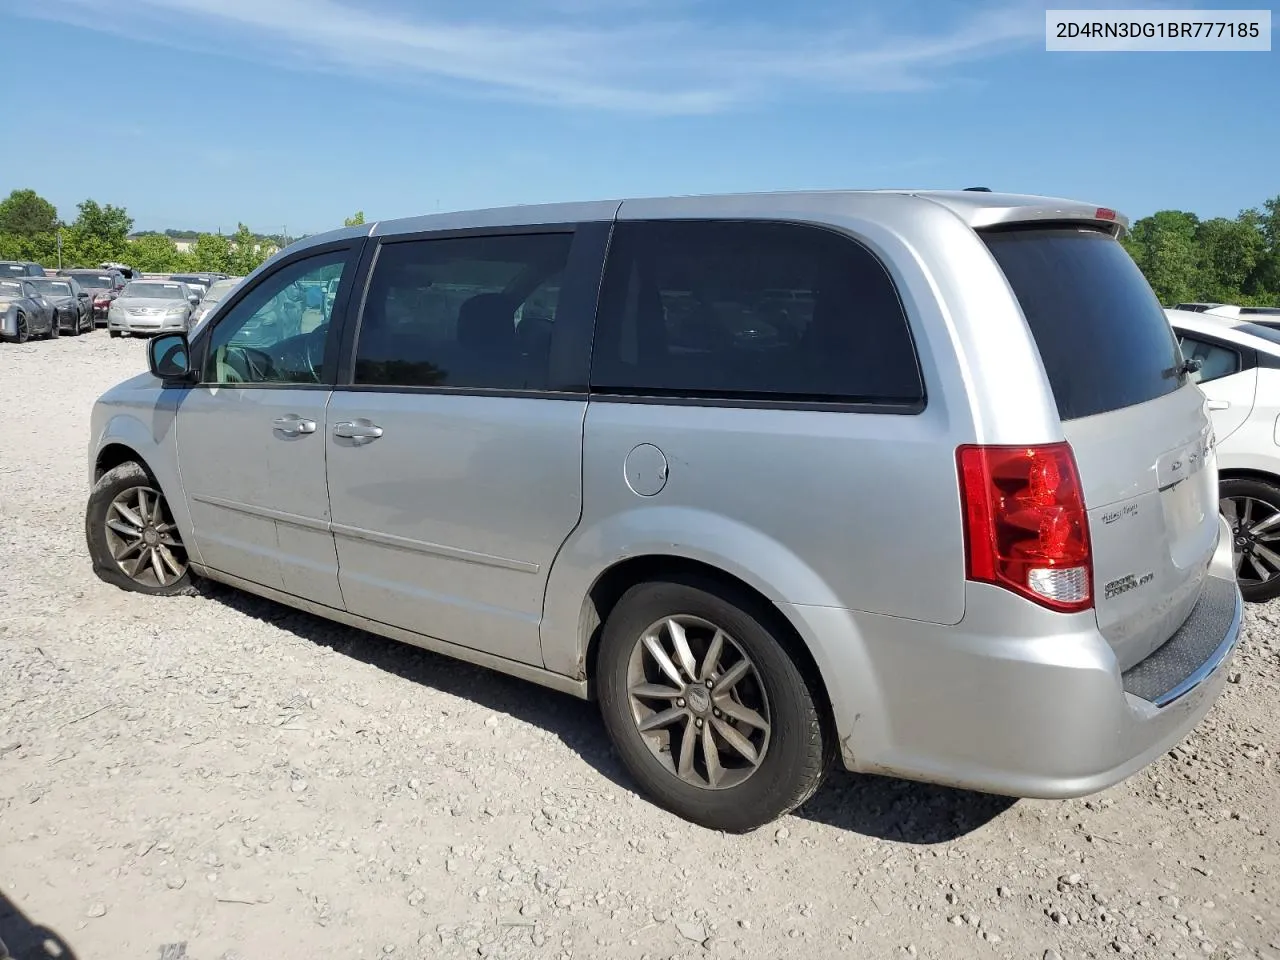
(220, 777)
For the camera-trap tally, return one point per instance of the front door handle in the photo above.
(361, 431)
(294, 425)
(1219, 404)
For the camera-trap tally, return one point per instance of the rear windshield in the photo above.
(1103, 336)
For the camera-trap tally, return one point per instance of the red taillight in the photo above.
(1025, 523)
(1105, 213)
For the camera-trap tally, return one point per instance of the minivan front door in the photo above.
(251, 435)
(455, 460)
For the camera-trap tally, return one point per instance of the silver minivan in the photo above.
(918, 480)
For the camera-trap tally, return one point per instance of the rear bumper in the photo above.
(1016, 700)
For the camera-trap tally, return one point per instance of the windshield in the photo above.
(93, 281)
(10, 289)
(219, 290)
(58, 288)
(154, 291)
(13, 269)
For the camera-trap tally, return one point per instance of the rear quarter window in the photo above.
(1103, 337)
(751, 311)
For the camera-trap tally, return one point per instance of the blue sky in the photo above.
(295, 113)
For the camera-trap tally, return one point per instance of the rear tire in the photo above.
(115, 333)
(764, 729)
(1252, 507)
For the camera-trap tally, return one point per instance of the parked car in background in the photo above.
(128, 272)
(72, 305)
(20, 268)
(151, 306)
(24, 311)
(1216, 309)
(1260, 314)
(102, 285)
(212, 297)
(971, 537)
(1240, 375)
(199, 282)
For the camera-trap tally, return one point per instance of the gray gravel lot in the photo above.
(220, 777)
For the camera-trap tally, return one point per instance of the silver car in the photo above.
(150, 307)
(919, 482)
(212, 297)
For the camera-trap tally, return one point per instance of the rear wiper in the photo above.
(1185, 368)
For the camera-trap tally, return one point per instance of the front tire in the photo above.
(24, 331)
(55, 329)
(132, 538)
(115, 333)
(1252, 508)
(706, 708)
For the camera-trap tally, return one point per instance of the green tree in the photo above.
(1164, 247)
(247, 251)
(25, 213)
(354, 221)
(1229, 252)
(99, 233)
(211, 252)
(155, 253)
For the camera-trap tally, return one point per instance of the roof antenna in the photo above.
(977, 189)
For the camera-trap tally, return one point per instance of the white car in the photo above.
(1240, 377)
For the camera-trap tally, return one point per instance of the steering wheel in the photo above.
(313, 343)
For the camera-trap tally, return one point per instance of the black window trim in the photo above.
(1248, 357)
(337, 320)
(737, 400)
(575, 314)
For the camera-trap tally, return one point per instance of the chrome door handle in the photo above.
(1219, 404)
(357, 430)
(294, 425)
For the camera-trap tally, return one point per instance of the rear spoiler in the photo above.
(982, 210)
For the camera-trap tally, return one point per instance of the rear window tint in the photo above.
(1103, 337)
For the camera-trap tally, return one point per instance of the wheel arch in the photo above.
(124, 437)
(617, 579)
(1248, 473)
(114, 453)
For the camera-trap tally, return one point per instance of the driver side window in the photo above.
(278, 332)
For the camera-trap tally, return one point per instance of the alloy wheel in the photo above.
(143, 539)
(698, 702)
(1255, 529)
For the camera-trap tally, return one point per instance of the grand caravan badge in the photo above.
(1126, 583)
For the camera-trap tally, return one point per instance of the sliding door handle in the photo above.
(293, 425)
(359, 430)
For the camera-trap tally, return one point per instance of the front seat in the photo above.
(487, 339)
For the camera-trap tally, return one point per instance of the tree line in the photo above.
(1186, 259)
(30, 229)
(1183, 257)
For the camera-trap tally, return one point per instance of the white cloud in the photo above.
(629, 57)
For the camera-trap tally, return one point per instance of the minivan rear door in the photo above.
(1134, 418)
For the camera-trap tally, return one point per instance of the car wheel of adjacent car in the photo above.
(708, 711)
(115, 333)
(1252, 507)
(24, 332)
(55, 329)
(133, 540)
(75, 330)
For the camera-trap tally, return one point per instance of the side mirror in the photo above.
(169, 357)
(82, 295)
(193, 300)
